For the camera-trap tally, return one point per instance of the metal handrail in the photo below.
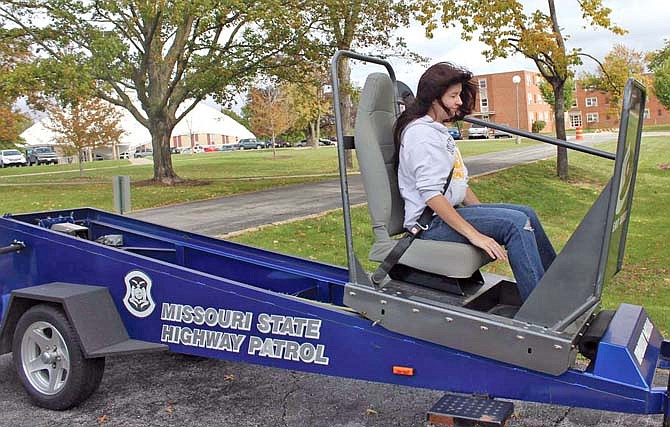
(542, 138)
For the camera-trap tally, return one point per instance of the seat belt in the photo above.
(404, 242)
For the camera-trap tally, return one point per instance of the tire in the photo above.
(54, 379)
(258, 147)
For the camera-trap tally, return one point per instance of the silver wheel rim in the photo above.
(45, 358)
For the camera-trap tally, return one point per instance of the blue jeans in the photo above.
(516, 227)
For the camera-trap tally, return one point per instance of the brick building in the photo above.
(592, 109)
(497, 99)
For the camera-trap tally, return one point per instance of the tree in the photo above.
(661, 85)
(164, 53)
(12, 122)
(506, 29)
(310, 105)
(270, 111)
(659, 64)
(366, 26)
(568, 92)
(656, 58)
(619, 64)
(83, 126)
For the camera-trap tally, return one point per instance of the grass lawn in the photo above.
(218, 174)
(644, 279)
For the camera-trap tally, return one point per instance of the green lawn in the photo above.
(644, 279)
(210, 174)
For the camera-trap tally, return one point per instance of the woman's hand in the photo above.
(441, 206)
(489, 245)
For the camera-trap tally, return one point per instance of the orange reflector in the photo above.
(403, 370)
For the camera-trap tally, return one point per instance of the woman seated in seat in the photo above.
(427, 154)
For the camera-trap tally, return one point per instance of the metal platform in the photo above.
(467, 411)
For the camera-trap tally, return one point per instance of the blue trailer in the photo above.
(83, 284)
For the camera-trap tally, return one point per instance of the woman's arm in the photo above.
(441, 206)
(470, 198)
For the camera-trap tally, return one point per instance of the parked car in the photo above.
(501, 134)
(174, 150)
(144, 152)
(186, 150)
(41, 156)
(324, 141)
(478, 132)
(455, 132)
(282, 144)
(124, 155)
(252, 143)
(198, 149)
(228, 147)
(211, 149)
(12, 158)
(302, 143)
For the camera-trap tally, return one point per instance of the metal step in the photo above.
(467, 411)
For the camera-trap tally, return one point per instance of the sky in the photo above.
(647, 22)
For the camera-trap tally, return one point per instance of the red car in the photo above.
(210, 149)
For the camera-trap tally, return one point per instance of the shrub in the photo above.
(538, 125)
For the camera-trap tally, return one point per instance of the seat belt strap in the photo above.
(404, 242)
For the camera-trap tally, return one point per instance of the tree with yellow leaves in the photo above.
(269, 112)
(506, 28)
(84, 125)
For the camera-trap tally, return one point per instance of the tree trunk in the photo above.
(559, 121)
(160, 143)
(81, 163)
(311, 135)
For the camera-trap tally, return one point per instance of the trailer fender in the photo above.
(90, 310)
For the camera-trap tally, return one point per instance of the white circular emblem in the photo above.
(138, 298)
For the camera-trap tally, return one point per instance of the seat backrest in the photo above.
(376, 156)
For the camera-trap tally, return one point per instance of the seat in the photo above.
(377, 161)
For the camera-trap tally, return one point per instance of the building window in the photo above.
(575, 120)
(591, 117)
(482, 83)
(574, 102)
(660, 112)
(484, 105)
(647, 114)
(538, 98)
(592, 102)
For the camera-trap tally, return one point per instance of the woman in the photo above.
(427, 155)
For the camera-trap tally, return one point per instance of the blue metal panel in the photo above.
(630, 348)
(266, 324)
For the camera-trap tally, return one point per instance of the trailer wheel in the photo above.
(49, 361)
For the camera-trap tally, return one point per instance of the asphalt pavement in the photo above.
(173, 389)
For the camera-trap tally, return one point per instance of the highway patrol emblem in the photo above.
(138, 298)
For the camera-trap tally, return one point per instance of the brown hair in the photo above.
(432, 85)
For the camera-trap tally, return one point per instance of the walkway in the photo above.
(224, 215)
